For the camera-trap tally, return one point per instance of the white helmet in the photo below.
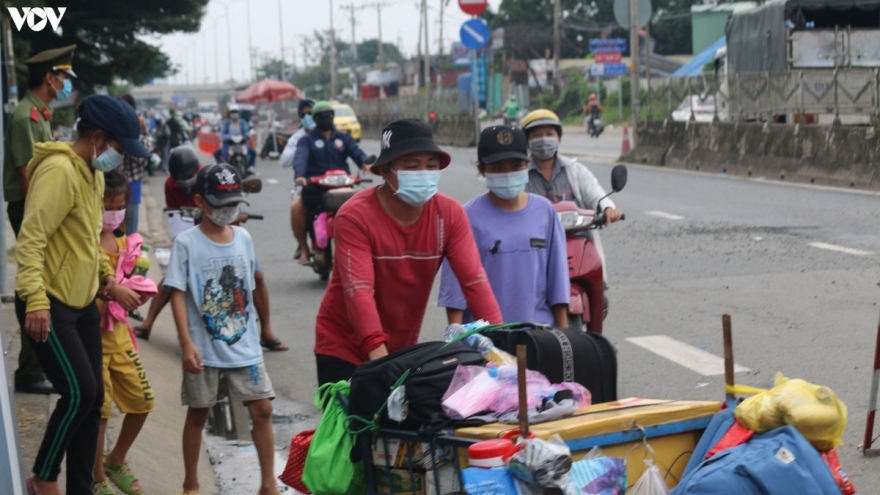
(234, 108)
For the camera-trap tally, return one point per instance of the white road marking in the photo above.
(272, 181)
(662, 214)
(840, 249)
(686, 355)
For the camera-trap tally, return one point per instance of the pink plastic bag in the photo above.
(471, 390)
(321, 230)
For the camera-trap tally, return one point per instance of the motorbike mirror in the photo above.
(618, 178)
(252, 185)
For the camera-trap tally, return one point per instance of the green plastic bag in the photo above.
(329, 470)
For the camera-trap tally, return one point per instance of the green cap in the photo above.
(321, 106)
(57, 59)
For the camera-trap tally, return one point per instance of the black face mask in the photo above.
(324, 121)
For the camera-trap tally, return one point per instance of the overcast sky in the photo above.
(198, 52)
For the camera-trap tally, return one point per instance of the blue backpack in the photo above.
(777, 462)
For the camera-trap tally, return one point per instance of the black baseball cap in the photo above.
(501, 142)
(115, 117)
(405, 137)
(220, 185)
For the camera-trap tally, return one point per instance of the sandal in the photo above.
(31, 486)
(142, 333)
(122, 477)
(103, 488)
(274, 345)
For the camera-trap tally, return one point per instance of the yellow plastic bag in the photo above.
(813, 409)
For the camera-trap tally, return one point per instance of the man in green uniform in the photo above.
(49, 77)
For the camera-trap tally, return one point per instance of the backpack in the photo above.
(431, 366)
(777, 462)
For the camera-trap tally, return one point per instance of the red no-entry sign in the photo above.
(473, 7)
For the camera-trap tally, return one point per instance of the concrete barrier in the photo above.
(847, 156)
(448, 131)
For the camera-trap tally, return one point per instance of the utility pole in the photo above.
(251, 68)
(333, 75)
(634, 53)
(354, 46)
(305, 43)
(281, 33)
(440, 40)
(557, 34)
(381, 49)
(427, 53)
(419, 49)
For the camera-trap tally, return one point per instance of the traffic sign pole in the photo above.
(475, 103)
(634, 77)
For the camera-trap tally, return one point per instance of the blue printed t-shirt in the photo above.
(524, 255)
(218, 280)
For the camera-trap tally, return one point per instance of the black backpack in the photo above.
(432, 366)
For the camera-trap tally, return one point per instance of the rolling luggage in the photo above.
(565, 355)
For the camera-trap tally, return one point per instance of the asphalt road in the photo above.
(795, 266)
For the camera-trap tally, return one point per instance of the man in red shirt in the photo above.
(183, 165)
(399, 232)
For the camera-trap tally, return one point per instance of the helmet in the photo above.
(321, 106)
(541, 117)
(592, 96)
(304, 103)
(182, 163)
(234, 108)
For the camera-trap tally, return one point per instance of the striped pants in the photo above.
(72, 360)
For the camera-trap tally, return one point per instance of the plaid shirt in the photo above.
(134, 167)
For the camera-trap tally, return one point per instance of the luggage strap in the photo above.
(567, 354)
(372, 425)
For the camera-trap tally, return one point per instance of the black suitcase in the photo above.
(565, 355)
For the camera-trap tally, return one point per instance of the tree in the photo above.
(106, 35)
(368, 52)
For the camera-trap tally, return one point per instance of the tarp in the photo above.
(756, 40)
(695, 66)
(830, 13)
(268, 91)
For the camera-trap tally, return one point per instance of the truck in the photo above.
(801, 61)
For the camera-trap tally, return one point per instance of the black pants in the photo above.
(332, 370)
(29, 370)
(71, 357)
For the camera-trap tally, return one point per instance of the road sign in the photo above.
(460, 55)
(618, 69)
(607, 57)
(598, 45)
(621, 12)
(474, 33)
(473, 7)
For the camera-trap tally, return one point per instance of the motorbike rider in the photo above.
(593, 111)
(320, 150)
(179, 188)
(511, 110)
(559, 178)
(162, 139)
(519, 237)
(306, 124)
(235, 126)
(393, 239)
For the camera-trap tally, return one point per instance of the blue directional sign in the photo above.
(619, 69)
(474, 33)
(598, 45)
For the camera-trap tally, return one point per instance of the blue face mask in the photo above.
(507, 185)
(64, 92)
(416, 187)
(307, 121)
(108, 160)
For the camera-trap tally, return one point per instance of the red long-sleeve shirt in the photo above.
(383, 274)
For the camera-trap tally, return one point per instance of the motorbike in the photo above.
(596, 127)
(587, 306)
(334, 187)
(274, 144)
(237, 153)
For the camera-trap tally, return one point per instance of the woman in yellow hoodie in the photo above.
(60, 272)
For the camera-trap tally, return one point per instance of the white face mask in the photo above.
(224, 215)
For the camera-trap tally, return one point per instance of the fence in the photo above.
(765, 95)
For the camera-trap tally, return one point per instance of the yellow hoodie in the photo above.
(59, 248)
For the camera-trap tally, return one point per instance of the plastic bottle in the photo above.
(481, 344)
(503, 372)
(142, 265)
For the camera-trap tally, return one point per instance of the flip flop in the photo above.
(103, 488)
(142, 333)
(274, 345)
(122, 477)
(307, 262)
(31, 486)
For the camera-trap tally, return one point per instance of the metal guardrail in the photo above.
(763, 95)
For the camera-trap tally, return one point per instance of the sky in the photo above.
(201, 59)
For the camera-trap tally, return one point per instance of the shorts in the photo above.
(126, 384)
(247, 384)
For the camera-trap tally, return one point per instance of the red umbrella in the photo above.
(269, 90)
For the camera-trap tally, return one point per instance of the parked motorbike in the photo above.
(335, 187)
(274, 144)
(237, 153)
(586, 309)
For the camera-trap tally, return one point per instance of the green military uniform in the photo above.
(27, 125)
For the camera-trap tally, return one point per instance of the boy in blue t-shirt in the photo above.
(211, 279)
